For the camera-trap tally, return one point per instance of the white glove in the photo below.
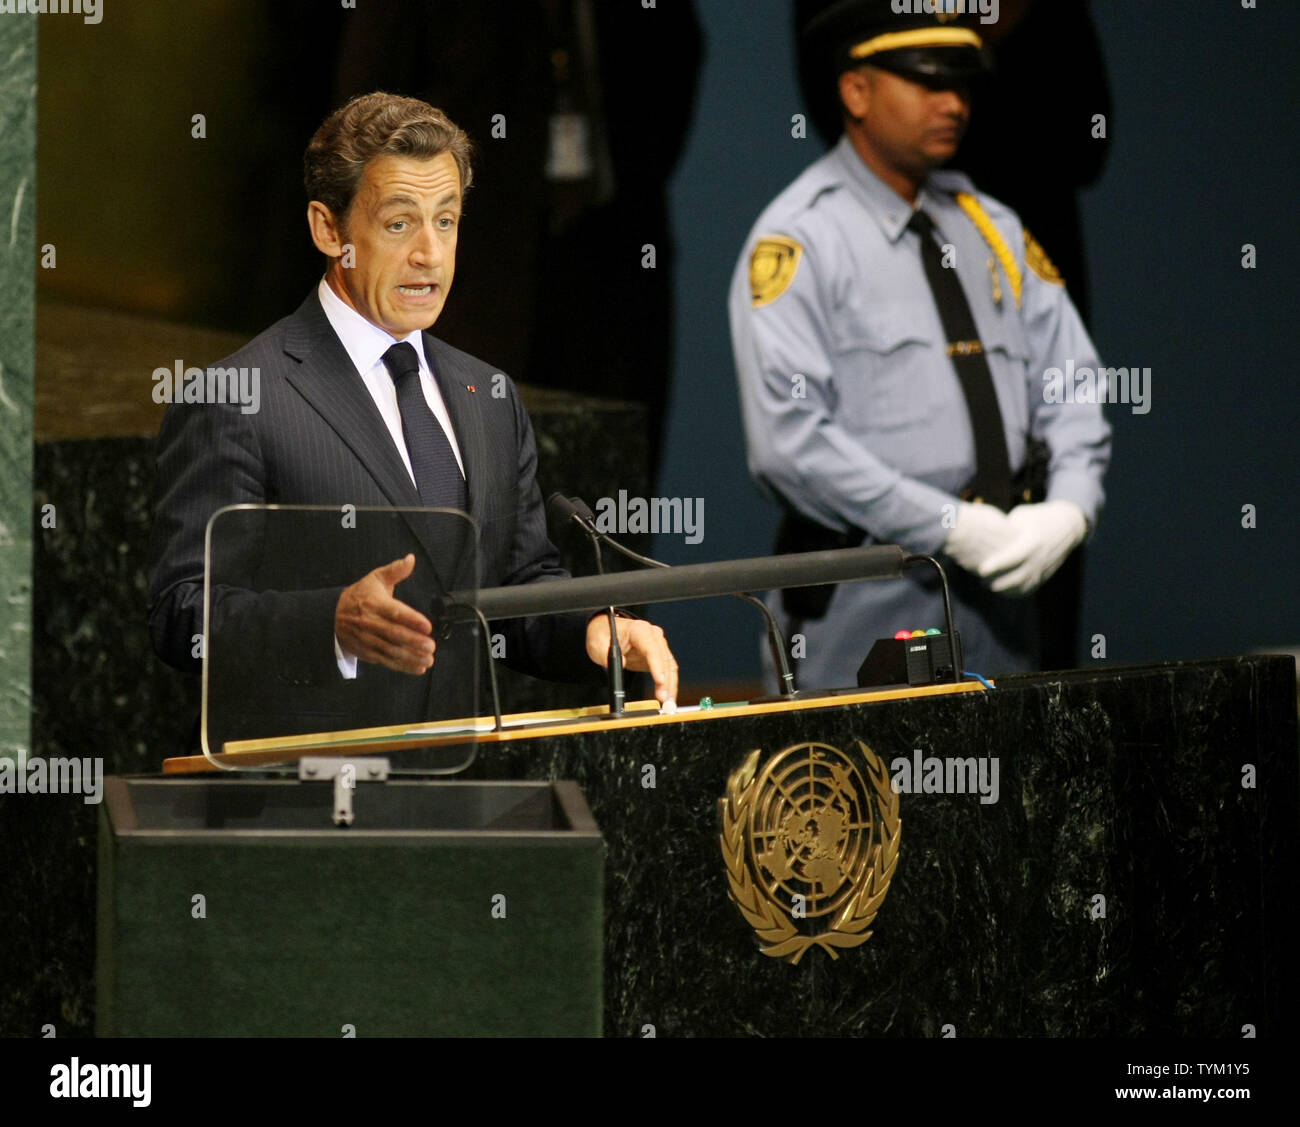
(1042, 536)
(980, 531)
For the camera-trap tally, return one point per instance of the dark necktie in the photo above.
(437, 474)
(992, 480)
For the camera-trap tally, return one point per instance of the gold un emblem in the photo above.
(807, 839)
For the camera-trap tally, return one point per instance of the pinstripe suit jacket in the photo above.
(318, 439)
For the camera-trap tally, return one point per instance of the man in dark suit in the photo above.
(360, 406)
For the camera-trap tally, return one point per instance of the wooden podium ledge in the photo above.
(246, 754)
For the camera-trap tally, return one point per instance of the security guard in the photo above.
(894, 331)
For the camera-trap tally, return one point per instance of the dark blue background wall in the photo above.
(1203, 160)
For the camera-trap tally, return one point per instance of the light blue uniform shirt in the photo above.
(853, 412)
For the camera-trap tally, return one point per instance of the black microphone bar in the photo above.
(689, 581)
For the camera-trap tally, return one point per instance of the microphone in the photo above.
(563, 509)
(574, 508)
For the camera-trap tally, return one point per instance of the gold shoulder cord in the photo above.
(971, 206)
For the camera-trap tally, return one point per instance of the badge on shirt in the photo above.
(771, 268)
(1037, 261)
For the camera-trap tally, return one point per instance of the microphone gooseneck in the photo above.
(576, 509)
(564, 509)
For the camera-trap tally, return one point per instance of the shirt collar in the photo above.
(364, 341)
(890, 211)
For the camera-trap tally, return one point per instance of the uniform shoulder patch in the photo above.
(1037, 261)
(772, 266)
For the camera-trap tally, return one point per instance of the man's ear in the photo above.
(326, 232)
(855, 93)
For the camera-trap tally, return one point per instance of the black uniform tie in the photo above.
(437, 474)
(992, 480)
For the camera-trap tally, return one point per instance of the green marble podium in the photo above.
(235, 907)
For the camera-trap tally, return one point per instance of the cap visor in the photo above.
(939, 64)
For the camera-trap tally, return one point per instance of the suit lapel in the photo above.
(326, 378)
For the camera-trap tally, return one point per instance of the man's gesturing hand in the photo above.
(645, 649)
(374, 626)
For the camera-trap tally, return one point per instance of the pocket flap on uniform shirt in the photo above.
(881, 330)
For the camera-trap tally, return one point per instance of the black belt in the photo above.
(799, 534)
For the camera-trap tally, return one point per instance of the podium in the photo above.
(1132, 878)
(235, 907)
(1105, 852)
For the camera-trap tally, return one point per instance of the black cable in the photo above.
(947, 613)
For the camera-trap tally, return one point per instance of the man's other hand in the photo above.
(1042, 536)
(644, 647)
(372, 625)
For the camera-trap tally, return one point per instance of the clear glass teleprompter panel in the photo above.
(279, 682)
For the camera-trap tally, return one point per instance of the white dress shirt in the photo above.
(365, 344)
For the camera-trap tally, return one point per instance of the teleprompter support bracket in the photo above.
(345, 773)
